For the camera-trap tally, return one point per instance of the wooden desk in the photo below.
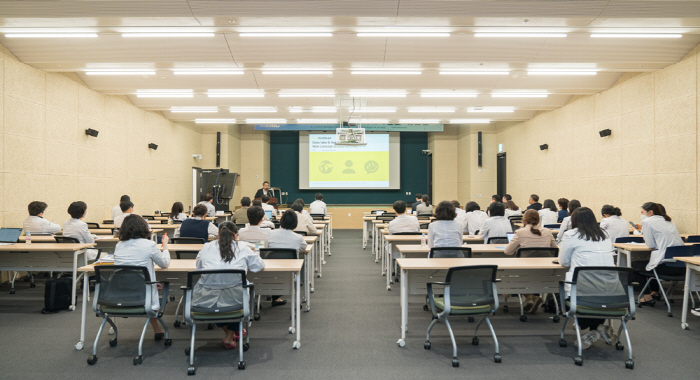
(267, 282)
(517, 275)
(44, 257)
(692, 284)
(626, 250)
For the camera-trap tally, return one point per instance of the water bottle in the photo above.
(257, 249)
(423, 240)
(29, 238)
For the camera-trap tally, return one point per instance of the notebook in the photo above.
(510, 235)
(9, 236)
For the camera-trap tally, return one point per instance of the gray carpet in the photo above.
(351, 332)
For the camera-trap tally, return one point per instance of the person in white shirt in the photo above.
(506, 198)
(268, 207)
(305, 223)
(473, 219)
(403, 222)
(659, 233)
(266, 223)
(586, 244)
(252, 233)
(303, 210)
(566, 222)
(225, 253)
(117, 210)
(496, 225)
(127, 209)
(512, 209)
(548, 213)
(318, 206)
(35, 222)
(285, 237)
(135, 248)
(176, 212)
(207, 200)
(444, 231)
(77, 229)
(197, 227)
(425, 207)
(458, 210)
(613, 224)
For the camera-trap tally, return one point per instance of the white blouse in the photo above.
(144, 253)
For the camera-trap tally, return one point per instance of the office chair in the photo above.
(108, 221)
(555, 226)
(165, 214)
(302, 233)
(180, 254)
(630, 239)
(671, 252)
(375, 211)
(693, 239)
(599, 293)
(275, 254)
(407, 233)
(537, 252)
(425, 215)
(218, 296)
(450, 253)
(240, 225)
(318, 216)
(471, 291)
(93, 225)
(125, 291)
(148, 217)
(497, 240)
(424, 226)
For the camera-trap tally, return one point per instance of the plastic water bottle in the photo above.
(423, 240)
(257, 249)
(29, 238)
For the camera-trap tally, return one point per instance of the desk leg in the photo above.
(364, 234)
(86, 289)
(330, 232)
(624, 258)
(310, 270)
(686, 293)
(297, 343)
(383, 265)
(75, 277)
(330, 219)
(307, 285)
(404, 308)
(388, 269)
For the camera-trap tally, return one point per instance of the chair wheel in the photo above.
(455, 362)
(497, 358)
(475, 341)
(426, 345)
(505, 308)
(619, 346)
(471, 319)
(113, 343)
(12, 291)
(670, 315)
(32, 285)
(176, 323)
(191, 371)
(246, 346)
(555, 319)
(241, 365)
(172, 298)
(210, 326)
(168, 342)
(629, 364)
(256, 317)
(92, 360)
(562, 343)
(523, 318)
(292, 330)
(578, 360)
(425, 308)
(138, 360)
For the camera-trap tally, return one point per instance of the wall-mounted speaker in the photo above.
(152, 146)
(605, 132)
(91, 132)
(544, 147)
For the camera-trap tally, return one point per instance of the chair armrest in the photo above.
(164, 299)
(633, 306)
(497, 280)
(439, 283)
(99, 253)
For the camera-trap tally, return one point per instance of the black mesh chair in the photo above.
(671, 252)
(386, 218)
(376, 211)
(497, 240)
(125, 291)
(470, 291)
(108, 221)
(218, 296)
(515, 219)
(424, 226)
(425, 216)
(148, 217)
(318, 216)
(240, 225)
(93, 225)
(176, 221)
(277, 223)
(275, 254)
(599, 293)
(552, 226)
(630, 239)
(165, 214)
(70, 240)
(184, 255)
(693, 239)
(539, 252)
(450, 253)
(302, 233)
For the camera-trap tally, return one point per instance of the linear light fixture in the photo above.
(470, 121)
(208, 72)
(282, 34)
(297, 72)
(369, 121)
(317, 121)
(419, 121)
(51, 35)
(194, 109)
(431, 109)
(518, 35)
(323, 109)
(448, 95)
(376, 110)
(369, 94)
(518, 95)
(563, 72)
(385, 72)
(491, 109)
(120, 73)
(402, 34)
(474, 72)
(175, 34)
(232, 93)
(253, 109)
(302, 95)
(265, 121)
(635, 35)
(164, 93)
(215, 121)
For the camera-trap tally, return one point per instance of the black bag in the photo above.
(57, 294)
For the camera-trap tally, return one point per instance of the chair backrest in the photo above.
(217, 291)
(175, 221)
(602, 287)
(277, 223)
(108, 221)
(515, 218)
(386, 218)
(693, 239)
(497, 240)
(187, 240)
(425, 215)
(471, 285)
(450, 253)
(679, 251)
(240, 225)
(228, 212)
(165, 214)
(302, 233)
(554, 226)
(407, 233)
(630, 239)
(148, 217)
(278, 254)
(121, 285)
(93, 225)
(66, 239)
(317, 216)
(537, 252)
(375, 211)
(424, 226)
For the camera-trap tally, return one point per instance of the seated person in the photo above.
(444, 231)
(613, 224)
(458, 210)
(227, 253)
(534, 203)
(566, 222)
(419, 200)
(303, 211)
(563, 204)
(127, 209)
(207, 200)
(548, 213)
(136, 248)
(266, 223)
(512, 209)
(285, 237)
(403, 222)
(197, 227)
(496, 225)
(425, 208)
(252, 233)
(35, 222)
(116, 210)
(586, 244)
(176, 212)
(318, 206)
(268, 207)
(77, 229)
(473, 219)
(304, 222)
(240, 216)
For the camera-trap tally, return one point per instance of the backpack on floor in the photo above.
(57, 294)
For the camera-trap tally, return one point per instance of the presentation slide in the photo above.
(330, 166)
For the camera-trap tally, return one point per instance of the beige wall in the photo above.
(45, 154)
(254, 158)
(651, 155)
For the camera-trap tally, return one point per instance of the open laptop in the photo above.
(9, 236)
(269, 214)
(510, 235)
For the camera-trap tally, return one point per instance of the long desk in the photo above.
(692, 284)
(517, 275)
(625, 251)
(45, 257)
(267, 282)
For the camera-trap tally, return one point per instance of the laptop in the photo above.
(510, 235)
(269, 214)
(9, 236)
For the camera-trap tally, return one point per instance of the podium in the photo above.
(273, 201)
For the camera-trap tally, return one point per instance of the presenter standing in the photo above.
(264, 191)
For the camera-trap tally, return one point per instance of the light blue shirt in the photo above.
(659, 234)
(445, 233)
(495, 226)
(144, 253)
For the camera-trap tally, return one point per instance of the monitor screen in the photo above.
(510, 236)
(268, 213)
(10, 235)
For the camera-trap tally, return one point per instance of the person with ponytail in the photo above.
(566, 222)
(613, 224)
(659, 233)
(225, 253)
(425, 207)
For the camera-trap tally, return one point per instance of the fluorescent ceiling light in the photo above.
(566, 72)
(317, 121)
(252, 109)
(399, 34)
(301, 95)
(210, 72)
(163, 95)
(215, 121)
(448, 95)
(376, 110)
(518, 95)
(419, 121)
(282, 34)
(313, 109)
(51, 35)
(636, 35)
(431, 109)
(366, 94)
(470, 121)
(167, 90)
(474, 72)
(491, 109)
(265, 121)
(194, 109)
(297, 72)
(120, 73)
(368, 121)
(546, 35)
(387, 72)
(231, 93)
(176, 34)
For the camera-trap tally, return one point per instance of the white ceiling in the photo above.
(345, 51)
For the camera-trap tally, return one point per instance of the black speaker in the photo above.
(91, 132)
(153, 146)
(479, 148)
(218, 149)
(544, 147)
(605, 132)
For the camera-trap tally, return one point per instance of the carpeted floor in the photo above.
(351, 332)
